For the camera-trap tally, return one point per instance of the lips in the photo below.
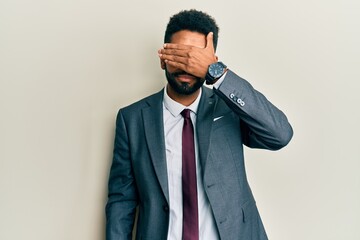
(185, 77)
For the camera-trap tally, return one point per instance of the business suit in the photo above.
(138, 174)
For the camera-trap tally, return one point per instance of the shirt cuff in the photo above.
(218, 82)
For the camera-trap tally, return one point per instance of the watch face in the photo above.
(216, 70)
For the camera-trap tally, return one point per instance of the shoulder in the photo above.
(136, 107)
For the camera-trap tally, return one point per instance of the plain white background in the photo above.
(66, 67)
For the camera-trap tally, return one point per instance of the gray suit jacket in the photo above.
(138, 175)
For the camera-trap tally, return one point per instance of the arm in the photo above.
(122, 195)
(265, 126)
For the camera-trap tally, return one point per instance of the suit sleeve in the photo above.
(263, 124)
(122, 193)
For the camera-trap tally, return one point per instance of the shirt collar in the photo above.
(176, 108)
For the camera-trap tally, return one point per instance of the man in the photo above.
(178, 154)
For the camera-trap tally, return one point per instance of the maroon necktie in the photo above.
(190, 204)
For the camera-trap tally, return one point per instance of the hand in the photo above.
(193, 60)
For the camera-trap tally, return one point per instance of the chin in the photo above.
(185, 88)
(188, 86)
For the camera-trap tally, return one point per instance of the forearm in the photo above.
(265, 125)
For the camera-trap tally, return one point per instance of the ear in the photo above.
(162, 64)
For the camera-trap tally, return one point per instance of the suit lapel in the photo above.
(154, 132)
(204, 123)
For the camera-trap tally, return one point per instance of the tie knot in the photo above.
(186, 113)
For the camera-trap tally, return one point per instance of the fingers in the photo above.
(177, 65)
(174, 52)
(177, 50)
(176, 46)
(210, 40)
(173, 58)
(191, 59)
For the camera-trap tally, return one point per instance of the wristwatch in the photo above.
(214, 72)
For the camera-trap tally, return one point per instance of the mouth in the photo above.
(184, 77)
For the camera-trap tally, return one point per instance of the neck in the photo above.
(185, 100)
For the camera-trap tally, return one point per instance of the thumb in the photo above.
(209, 40)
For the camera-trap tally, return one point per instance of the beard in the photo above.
(183, 88)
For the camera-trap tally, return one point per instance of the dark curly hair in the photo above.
(192, 20)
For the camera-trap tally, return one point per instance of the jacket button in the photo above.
(241, 102)
(166, 208)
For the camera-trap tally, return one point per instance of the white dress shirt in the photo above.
(173, 125)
